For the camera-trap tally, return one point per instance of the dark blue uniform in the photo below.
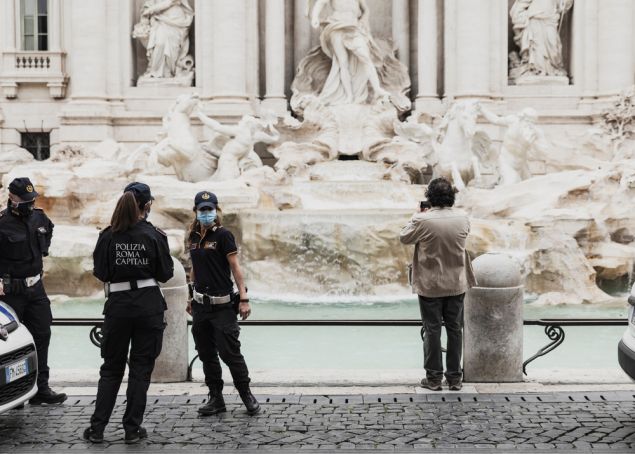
(215, 327)
(24, 240)
(132, 317)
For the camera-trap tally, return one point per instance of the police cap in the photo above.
(141, 192)
(205, 199)
(23, 188)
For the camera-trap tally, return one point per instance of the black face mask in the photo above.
(22, 209)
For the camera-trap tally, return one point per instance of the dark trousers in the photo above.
(435, 312)
(34, 310)
(144, 336)
(216, 334)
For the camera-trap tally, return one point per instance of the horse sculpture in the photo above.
(462, 146)
(180, 149)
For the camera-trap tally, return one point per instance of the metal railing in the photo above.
(554, 328)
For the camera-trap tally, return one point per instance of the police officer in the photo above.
(131, 255)
(25, 237)
(215, 327)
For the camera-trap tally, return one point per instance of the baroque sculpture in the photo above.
(234, 145)
(179, 147)
(536, 28)
(463, 148)
(164, 30)
(347, 92)
(522, 141)
(349, 66)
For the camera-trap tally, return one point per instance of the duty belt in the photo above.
(202, 298)
(110, 287)
(28, 281)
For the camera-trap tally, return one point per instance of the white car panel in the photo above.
(15, 340)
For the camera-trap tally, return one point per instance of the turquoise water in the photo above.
(357, 347)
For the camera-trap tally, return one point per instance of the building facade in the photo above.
(71, 71)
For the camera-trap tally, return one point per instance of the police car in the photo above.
(626, 347)
(18, 361)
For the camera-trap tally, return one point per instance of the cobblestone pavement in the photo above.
(408, 422)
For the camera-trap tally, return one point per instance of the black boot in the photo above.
(47, 396)
(93, 436)
(215, 404)
(135, 436)
(249, 400)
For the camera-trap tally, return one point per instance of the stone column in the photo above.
(171, 365)
(401, 29)
(493, 318)
(88, 55)
(88, 75)
(275, 56)
(228, 55)
(615, 53)
(301, 32)
(427, 55)
(204, 44)
(8, 88)
(467, 48)
(55, 25)
(8, 23)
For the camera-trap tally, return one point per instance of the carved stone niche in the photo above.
(170, 33)
(539, 50)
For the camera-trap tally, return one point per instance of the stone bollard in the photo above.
(493, 333)
(171, 365)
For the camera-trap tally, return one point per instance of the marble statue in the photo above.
(522, 141)
(536, 27)
(180, 148)
(463, 147)
(349, 66)
(164, 31)
(234, 145)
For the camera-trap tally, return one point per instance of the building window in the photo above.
(34, 22)
(37, 143)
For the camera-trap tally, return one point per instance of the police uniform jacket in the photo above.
(23, 243)
(139, 253)
(209, 252)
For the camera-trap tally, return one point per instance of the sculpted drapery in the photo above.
(536, 27)
(349, 67)
(164, 31)
(346, 40)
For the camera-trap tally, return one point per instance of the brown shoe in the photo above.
(455, 385)
(432, 385)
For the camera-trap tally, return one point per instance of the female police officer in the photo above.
(215, 328)
(130, 257)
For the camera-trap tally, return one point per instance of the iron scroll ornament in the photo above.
(556, 334)
(96, 336)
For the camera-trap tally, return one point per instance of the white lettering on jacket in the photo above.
(130, 254)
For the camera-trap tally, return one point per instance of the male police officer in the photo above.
(25, 237)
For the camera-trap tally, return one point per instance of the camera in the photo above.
(424, 205)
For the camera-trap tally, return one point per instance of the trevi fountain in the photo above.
(317, 176)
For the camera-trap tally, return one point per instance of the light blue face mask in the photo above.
(206, 217)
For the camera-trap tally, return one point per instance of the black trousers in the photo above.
(144, 336)
(34, 310)
(215, 333)
(435, 312)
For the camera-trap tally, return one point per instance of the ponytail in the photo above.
(126, 213)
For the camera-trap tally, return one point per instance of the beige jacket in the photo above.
(441, 265)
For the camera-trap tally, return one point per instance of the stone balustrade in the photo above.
(33, 67)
